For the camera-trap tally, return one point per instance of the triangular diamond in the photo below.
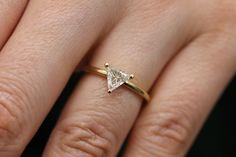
(115, 78)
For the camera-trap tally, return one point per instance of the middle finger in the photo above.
(38, 59)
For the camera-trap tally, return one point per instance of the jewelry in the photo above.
(116, 78)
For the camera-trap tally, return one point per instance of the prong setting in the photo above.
(131, 76)
(106, 65)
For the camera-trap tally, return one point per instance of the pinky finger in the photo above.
(183, 97)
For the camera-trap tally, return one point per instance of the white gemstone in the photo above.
(115, 78)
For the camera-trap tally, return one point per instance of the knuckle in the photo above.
(169, 129)
(86, 138)
(9, 123)
(11, 111)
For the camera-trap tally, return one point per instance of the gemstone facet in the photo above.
(116, 77)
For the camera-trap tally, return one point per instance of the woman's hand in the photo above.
(183, 52)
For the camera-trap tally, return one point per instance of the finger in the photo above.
(95, 123)
(183, 97)
(10, 12)
(37, 61)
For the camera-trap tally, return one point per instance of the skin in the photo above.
(182, 52)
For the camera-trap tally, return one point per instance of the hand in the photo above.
(183, 52)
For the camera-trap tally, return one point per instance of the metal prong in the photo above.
(109, 91)
(131, 76)
(106, 65)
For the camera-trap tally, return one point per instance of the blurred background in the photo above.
(216, 139)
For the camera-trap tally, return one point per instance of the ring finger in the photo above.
(94, 123)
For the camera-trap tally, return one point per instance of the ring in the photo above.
(116, 78)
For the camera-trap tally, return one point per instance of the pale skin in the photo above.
(183, 52)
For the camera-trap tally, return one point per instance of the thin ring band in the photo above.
(129, 84)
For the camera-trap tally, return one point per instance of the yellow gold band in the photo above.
(128, 83)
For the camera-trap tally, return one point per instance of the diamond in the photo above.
(116, 77)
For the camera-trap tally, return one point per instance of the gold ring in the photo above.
(116, 78)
